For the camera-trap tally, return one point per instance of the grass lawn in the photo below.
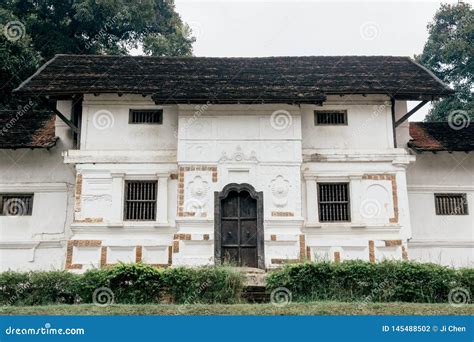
(315, 308)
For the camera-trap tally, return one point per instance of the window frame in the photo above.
(348, 202)
(16, 194)
(133, 110)
(463, 196)
(331, 111)
(126, 200)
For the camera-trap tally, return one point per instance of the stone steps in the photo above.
(255, 290)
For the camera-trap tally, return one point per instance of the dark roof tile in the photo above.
(231, 80)
(440, 136)
(26, 130)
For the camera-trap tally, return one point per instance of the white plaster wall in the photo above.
(273, 148)
(259, 145)
(38, 241)
(445, 239)
(105, 124)
(369, 124)
(403, 130)
(99, 198)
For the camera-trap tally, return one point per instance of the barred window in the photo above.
(333, 202)
(146, 116)
(451, 204)
(330, 117)
(140, 200)
(16, 204)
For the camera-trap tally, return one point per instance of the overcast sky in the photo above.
(305, 28)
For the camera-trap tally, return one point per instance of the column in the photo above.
(117, 197)
(355, 200)
(162, 200)
(312, 218)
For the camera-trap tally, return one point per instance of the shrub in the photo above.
(203, 285)
(375, 282)
(38, 288)
(135, 283)
(140, 283)
(90, 281)
(466, 280)
(12, 287)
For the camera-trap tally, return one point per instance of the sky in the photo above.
(232, 28)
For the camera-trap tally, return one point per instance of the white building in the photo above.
(252, 161)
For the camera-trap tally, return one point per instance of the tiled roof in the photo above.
(441, 136)
(26, 130)
(235, 80)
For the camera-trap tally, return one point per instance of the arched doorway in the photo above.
(238, 226)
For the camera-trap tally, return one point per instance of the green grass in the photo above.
(315, 308)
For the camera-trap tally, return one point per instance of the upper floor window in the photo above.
(330, 117)
(140, 200)
(451, 204)
(146, 116)
(333, 201)
(16, 204)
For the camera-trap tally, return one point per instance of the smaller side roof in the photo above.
(31, 129)
(441, 136)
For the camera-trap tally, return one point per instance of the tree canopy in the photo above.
(33, 31)
(449, 53)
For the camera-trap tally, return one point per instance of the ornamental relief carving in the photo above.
(197, 195)
(280, 187)
(238, 156)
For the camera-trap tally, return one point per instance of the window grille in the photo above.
(332, 117)
(451, 204)
(16, 204)
(139, 116)
(333, 202)
(140, 200)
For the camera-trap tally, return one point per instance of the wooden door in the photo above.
(239, 230)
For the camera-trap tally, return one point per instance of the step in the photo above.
(256, 294)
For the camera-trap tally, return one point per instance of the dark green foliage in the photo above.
(135, 283)
(129, 283)
(49, 27)
(449, 54)
(38, 288)
(90, 281)
(203, 285)
(370, 282)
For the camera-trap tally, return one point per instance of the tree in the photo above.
(33, 31)
(449, 53)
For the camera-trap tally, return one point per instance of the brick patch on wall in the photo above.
(103, 253)
(282, 213)
(138, 253)
(302, 247)
(78, 193)
(181, 171)
(337, 256)
(392, 178)
(371, 251)
(78, 243)
(187, 237)
(273, 237)
(285, 261)
(90, 220)
(308, 253)
(404, 253)
(103, 257)
(391, 243)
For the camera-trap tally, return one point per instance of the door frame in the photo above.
(218, 197)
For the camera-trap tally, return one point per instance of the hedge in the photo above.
(126, 283)
(362, 281)
(143, 284)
